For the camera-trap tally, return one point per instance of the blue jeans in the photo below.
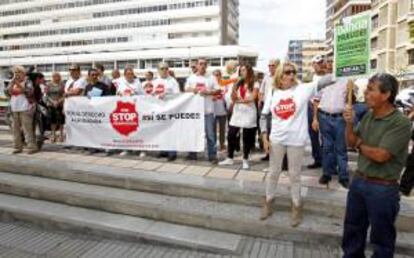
(374, 205)
(314, 137)
(209, 127)
(334, 149)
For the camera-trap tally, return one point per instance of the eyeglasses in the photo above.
(163, 68)
(289, 72)
(94, 74)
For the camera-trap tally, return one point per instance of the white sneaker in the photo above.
(226, 162)
(124, 153)
(245, 165)
(142, 154)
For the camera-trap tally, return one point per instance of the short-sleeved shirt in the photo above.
(126, 88)
(19, 102)
(289, 109)
(391, 133)
(245, 115)
(165, 86)
(206, 82)
(267, 86)
(98, 89)
(79, 83)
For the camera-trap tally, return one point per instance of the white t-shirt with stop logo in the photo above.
(201, 83)
(289, 109)
(126, 88)
(165, 86)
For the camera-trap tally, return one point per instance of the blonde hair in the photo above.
(18, 68)
(279, 74)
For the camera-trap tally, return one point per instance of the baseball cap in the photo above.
(74, 67)
(317, 59)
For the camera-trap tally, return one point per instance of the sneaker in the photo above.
(162, 154)
(191, 156)
(172, 157)
(265, 158)
(213, 161)
(324, 180)
(142, 154)
(124, 153)
(315, 165)
(92, 151)
(33, 151)
(226, 162)
(245, 165)
(17, 151)
(344, 183)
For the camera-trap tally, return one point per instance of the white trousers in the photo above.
(295, 157)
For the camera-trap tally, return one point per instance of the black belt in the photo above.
(330, 114)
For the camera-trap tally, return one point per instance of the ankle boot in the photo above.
(296, 216)
(267, 209)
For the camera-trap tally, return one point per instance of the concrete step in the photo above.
(227, 217)
(117, 226)
(318, 201)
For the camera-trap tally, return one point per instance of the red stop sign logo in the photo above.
(124, 119)
(160, 89)
(285, 109)
(200, 86)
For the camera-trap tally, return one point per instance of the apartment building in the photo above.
(301, 52)
(336, 10)
(51, 34)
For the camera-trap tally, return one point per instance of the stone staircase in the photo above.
(196, 212)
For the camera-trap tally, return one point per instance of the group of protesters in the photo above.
(285, 112)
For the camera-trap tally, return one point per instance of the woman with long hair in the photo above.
(244, 96)
(287, 104)
(54, 99)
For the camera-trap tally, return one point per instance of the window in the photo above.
(374, 64)
(411, 57)
(374, 21)
(374, 43)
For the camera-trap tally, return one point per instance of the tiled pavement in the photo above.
(21, 240)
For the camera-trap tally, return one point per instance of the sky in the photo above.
(268, 25)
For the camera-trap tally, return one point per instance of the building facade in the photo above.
(383, 35)
(301, 52)
(392, 48)
(52, 34)
(336, 10)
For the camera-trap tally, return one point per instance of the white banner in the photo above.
(136, 123)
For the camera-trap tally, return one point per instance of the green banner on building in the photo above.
(353, 46)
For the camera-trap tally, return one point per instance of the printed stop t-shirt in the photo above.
(165, 86)
(126, 88)
(202, 83)
(289, 109)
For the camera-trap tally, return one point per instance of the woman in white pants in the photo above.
(289, 133)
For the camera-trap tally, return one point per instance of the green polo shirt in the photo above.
(392, 133)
